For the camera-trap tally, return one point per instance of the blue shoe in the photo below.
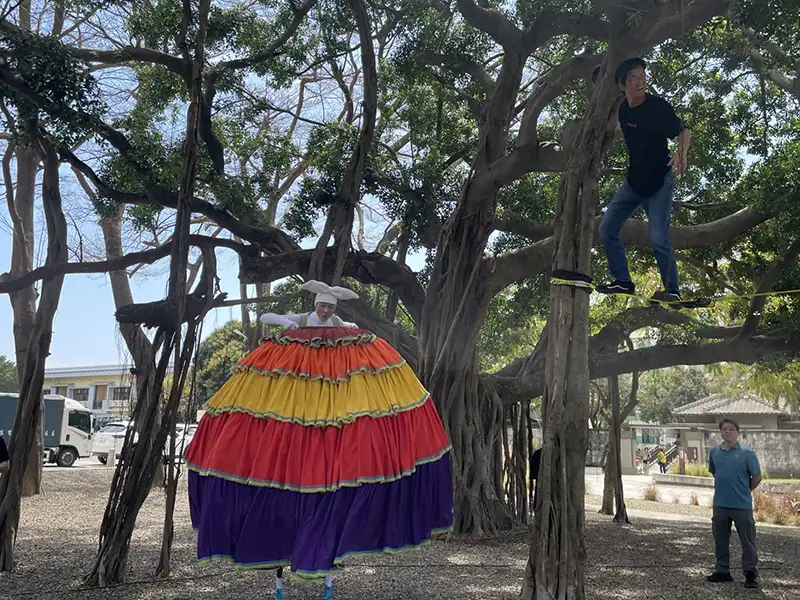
(328, 593)
(279, 595)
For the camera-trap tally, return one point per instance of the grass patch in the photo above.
(693, 469)
(676, 499)
(651, 493)
(694, 499)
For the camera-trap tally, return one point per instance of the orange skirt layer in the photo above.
(288, 456)
(334, 357)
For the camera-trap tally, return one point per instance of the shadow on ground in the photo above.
(650, 559)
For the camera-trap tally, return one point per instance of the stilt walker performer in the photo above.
(322, 445)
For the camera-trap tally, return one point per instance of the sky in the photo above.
(85, 331)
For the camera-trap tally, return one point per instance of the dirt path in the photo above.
(648, 560)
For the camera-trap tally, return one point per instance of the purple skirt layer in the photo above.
(263, 528)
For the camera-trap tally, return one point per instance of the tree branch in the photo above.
(365, 267)
(270, 238)
(492, 22)
(120, 56)
(673, 19)
(747, 352)
(460, 65)
(548, 88)
(767, 282)
(274, 48)
(518, 225)
(47, 273)
(552, 24)
(537, 257)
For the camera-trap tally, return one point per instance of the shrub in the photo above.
(651, 493)
(694, 499)
(775, 509)
(676, 499)
(694, 469)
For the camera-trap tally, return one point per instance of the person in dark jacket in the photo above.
(4, 457)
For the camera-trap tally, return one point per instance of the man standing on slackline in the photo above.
(646, 122)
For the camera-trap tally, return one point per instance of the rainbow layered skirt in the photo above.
(322, 445)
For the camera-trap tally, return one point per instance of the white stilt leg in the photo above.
(279, 585)
(329, 587)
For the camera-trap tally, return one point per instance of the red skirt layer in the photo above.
(288, 456)
(332, 353)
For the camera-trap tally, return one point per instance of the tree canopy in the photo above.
(337, 139)
(9, 382)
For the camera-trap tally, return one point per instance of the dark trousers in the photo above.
(663, 467)
(745, 527)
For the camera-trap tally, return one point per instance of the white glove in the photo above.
(292, 325)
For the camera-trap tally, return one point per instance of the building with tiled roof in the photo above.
(749, 410)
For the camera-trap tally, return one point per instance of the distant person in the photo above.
(662, 460)
(5, 459)
(646, 122)
(736, 474)
(536, 461)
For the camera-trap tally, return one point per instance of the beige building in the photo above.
(106, 389)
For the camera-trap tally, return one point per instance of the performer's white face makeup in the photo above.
(325, 311)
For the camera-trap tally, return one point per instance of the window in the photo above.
(80, 395)
(113, 428)
(100, 393)
(80, 420)
(121, 394)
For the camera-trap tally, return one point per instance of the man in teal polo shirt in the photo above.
(736, 474)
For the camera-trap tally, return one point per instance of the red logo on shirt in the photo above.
(633, 125)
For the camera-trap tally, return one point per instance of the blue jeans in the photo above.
(659, 213)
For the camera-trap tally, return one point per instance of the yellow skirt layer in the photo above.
(319, 402)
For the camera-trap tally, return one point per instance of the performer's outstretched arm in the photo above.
(289, 321)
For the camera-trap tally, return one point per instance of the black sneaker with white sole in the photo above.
(673, 298)
(717, 577)
(617, 287)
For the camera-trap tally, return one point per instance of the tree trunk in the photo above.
(607, 506)
(30, 410)
(556, 568)
(23, 303)
(615, 433)
(402, 252)
(455, 307)
(339, 224)
(137, 342)
(133, 477)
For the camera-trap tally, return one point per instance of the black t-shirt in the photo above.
(3, 450)
(647, 128)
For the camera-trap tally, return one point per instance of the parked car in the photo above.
(184, 436)
(111, 437)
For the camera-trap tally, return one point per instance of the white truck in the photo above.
(68, 427)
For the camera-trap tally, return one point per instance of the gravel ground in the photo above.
(651, 559)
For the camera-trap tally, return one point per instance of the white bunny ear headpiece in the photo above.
(326, 293)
